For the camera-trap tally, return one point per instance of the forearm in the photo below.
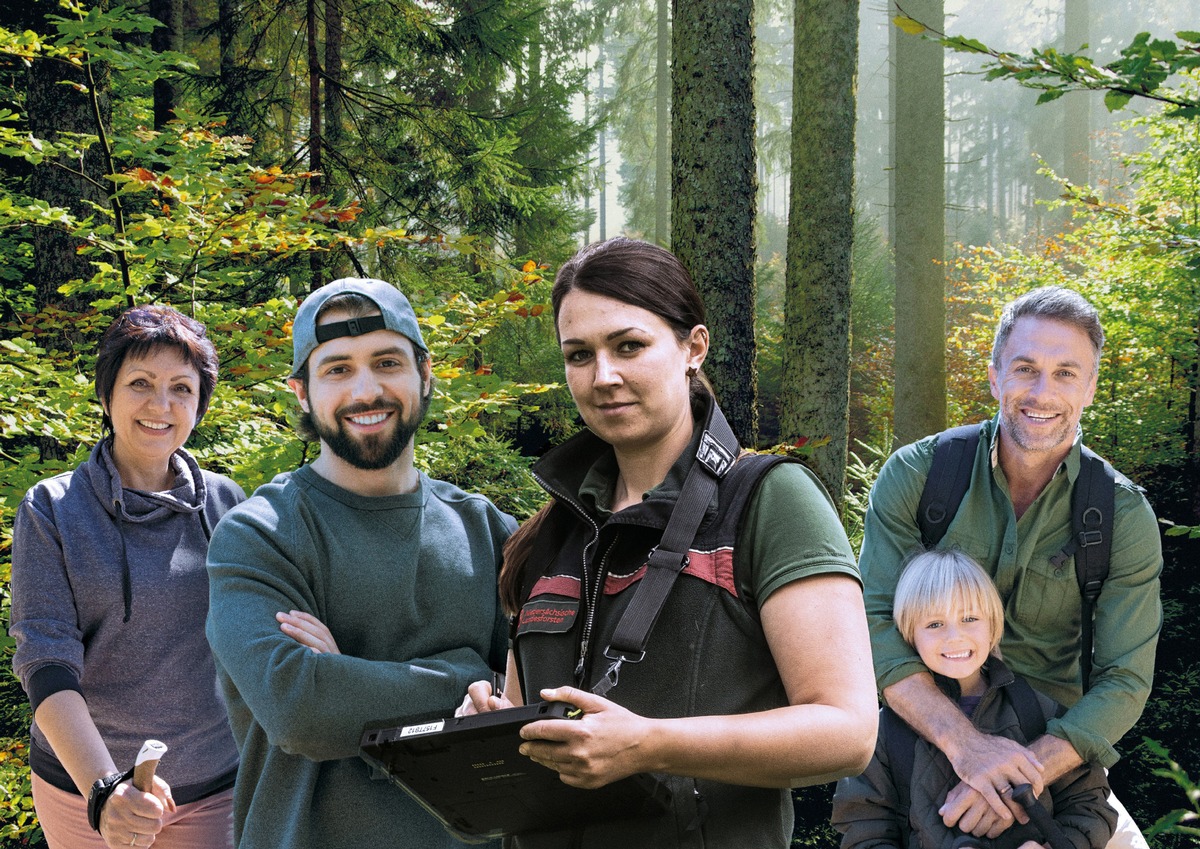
(316, 705)
(63, 717)
(1057, 756)
(920, 703)
(789, 746)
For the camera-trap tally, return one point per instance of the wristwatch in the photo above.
(102, 788)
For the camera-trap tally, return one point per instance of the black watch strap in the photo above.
(102, 788)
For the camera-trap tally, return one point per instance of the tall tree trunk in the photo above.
(167, 37)
(1077, 124)
(918, 176)
(315, 162)
(340, 263)
(815, 398)
(55, 108)
(316, 263)
(662, 128)
(713, 187)
(58, 101)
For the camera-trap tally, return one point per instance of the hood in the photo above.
(186, 495)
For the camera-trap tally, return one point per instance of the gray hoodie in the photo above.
(109, 598)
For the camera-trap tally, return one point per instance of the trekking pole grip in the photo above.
(146, 763)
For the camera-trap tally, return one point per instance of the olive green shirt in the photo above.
(1041, 601)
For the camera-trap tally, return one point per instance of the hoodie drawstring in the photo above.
(126, 577)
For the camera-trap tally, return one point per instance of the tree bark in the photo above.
(167, 37)
(662, 128)
(713, 188)
(1077, 124)
(918, 176)
(815, 398)
(73, 183)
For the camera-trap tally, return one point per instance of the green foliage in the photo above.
(1180, 821)
(861, 472)
(193, 220)
(1142, 71)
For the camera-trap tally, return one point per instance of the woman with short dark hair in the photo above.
(109, 598)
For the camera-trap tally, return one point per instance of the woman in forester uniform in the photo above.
(757, 674)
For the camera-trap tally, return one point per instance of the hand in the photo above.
(966, 808)
(307, 630)
(481, 699)
(133, 818)
(992, 766)
(607, 743)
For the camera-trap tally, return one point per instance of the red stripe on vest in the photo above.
(715, 567)
(563, 585)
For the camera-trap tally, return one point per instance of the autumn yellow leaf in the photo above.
(909, 25)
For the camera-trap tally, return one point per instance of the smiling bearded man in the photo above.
(351, 590)
(1015, 518)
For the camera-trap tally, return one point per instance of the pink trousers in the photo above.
(204, 824)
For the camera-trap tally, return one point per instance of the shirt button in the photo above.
(1008, 549)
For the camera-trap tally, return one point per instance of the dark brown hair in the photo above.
(636, 273)
(140, 330)
(640, 274)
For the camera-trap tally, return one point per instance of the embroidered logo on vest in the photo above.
(547, 617)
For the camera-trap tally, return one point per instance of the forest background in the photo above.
(857, 188)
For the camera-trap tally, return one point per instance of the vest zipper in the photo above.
(590, 594)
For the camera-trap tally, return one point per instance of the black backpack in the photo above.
(1091, 518)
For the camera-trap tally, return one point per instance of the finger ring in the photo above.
(132, 838)
(1007, 788)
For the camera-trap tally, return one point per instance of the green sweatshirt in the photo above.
(1041, 601)
(407, 586)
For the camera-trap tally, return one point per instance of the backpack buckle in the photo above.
(1087, 538)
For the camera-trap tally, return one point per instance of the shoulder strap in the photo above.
(1092, 506)
(947, 482)
(1029, 711)
(899, 741)
(715, 456)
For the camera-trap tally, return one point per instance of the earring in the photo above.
(691, 372)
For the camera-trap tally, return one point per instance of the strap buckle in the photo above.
(613, 673)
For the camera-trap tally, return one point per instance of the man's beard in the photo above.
(1028, 439)
(375, 451)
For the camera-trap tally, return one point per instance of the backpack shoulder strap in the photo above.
(1092, 506)
(899, 741)
(947, 483)
(1029, 712)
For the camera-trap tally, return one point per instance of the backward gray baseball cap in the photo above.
(396, 314)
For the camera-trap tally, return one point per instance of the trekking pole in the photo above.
(1040, 817)
(146, 763)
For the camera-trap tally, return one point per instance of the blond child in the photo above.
(948, 610)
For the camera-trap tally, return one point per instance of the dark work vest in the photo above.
(707, 654)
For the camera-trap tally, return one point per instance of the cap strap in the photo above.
(352, 327)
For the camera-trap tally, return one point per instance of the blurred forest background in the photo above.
(856, 187)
